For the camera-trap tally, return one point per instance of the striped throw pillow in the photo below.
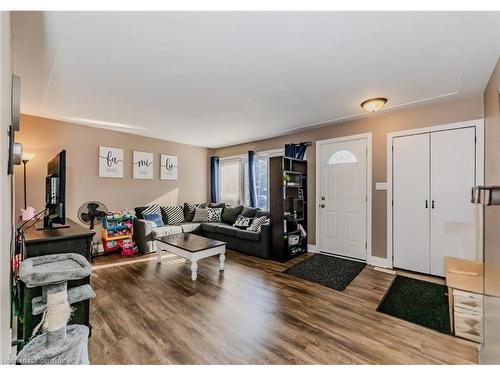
(154, 209)
(173, 214)
(257, 223)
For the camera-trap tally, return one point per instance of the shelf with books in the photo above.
(287, 203)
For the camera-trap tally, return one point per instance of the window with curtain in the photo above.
(233, 179)
(261, 164)
(230, 181)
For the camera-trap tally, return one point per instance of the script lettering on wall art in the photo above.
(110, 162)
(143, 165)
(168, 167)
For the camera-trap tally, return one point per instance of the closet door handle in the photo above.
(426, 203)
(432, 204)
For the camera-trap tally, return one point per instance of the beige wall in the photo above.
(5, 184)
(47, 137)
(379, 125)
(490, 352)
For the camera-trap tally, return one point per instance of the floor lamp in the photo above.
(27, 156)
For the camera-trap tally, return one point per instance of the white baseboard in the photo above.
(378, 262)
(311, 248)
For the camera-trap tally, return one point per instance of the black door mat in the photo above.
(419, 302)
(329, 271)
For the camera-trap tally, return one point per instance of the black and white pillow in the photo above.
(200, 215)
(257, 223)
(173, 214)
(243, 222)
(214, 214)
(189, 209)
(154, 209)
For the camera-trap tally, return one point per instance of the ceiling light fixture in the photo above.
(373, 105)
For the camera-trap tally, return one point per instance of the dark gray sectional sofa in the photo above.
(244, 241)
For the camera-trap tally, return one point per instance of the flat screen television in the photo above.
(55, 192)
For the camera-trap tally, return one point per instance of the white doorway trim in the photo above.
(369, 183)
(478, 124)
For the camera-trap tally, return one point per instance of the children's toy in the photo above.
(117, 232)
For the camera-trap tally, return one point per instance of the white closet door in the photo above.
(452, 216)
(411, 202)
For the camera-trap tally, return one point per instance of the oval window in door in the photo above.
(342, 157)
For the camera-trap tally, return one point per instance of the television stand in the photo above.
(40, 226)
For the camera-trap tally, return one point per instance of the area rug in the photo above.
(332, 272)
(419, 302)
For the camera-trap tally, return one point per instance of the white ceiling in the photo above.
(220, 78)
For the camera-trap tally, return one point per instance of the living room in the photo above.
(204, 188)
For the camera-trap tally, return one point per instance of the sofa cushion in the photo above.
(249, 211)
(189, 209)
(261, 213)
(257, 223)
(155, 219)
(217, 205)
(172, 214)
(209, 227)
(247, 235)
(200, 215)
(214, 214)
(138, 212)
(153, 209)
(226, 229)
(167, 230)
(230, 214)
(242, 222)
(189, 227)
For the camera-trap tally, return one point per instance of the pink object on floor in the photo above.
(128, 252)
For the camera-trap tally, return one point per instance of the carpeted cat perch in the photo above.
(60, 344)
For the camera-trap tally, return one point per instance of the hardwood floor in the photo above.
(149, 313)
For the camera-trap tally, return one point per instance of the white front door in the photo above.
(343, 198)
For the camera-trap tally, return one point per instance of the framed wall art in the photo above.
(143, 165)
(168, 167)
(110, 162)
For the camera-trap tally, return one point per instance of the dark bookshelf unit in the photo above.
(288, 206)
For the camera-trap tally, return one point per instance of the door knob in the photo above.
(322, 205)
(322, 198)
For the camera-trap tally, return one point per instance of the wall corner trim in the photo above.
(311, 248)
(379, 262)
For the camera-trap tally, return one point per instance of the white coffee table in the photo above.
(192, 247)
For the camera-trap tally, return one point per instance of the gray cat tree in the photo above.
(60, 343)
